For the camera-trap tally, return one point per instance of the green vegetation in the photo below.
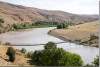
(96, 61)
(29, 54)
(21, 26)
(33, 25)
(39, 24)
(53, 56)
(23, 50)
(11, 54)
(50, 45)
(63, 25)
(27, 25)
(50, 24)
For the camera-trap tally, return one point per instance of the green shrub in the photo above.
(53, 56)
(96, 61)
(23, 50)
(29, 54)
(62, 25)
(59, 26)
(11, 54)
(50, 45)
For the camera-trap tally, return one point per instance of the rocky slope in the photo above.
(16, 14)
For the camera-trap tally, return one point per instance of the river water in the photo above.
(40, 36)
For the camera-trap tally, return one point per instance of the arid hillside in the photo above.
(17, 14)
(87, 33)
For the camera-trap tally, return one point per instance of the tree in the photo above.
(23, 50)
(62, 25)
(29, 54)
(11, 53)
(59, 26)
(53, 56)
(50, 45)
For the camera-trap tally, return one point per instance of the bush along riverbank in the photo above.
(33, 25)
(51, 55)
(26, 25)
(40, 24)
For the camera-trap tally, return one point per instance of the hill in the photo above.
(18, 14)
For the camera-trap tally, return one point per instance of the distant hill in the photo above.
(16, 14)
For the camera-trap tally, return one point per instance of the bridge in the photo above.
(35, 44)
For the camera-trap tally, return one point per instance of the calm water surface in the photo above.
(40, 36)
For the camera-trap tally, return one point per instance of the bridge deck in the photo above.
(35, 44)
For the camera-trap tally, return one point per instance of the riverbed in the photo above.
(40, 36)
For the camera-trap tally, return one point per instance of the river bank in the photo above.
(71, 41)
(84, 34)
(40, 36)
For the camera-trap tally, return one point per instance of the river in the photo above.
(40, 36)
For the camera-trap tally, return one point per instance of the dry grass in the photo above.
(80, 32)
(20, 58)
(20, 14)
